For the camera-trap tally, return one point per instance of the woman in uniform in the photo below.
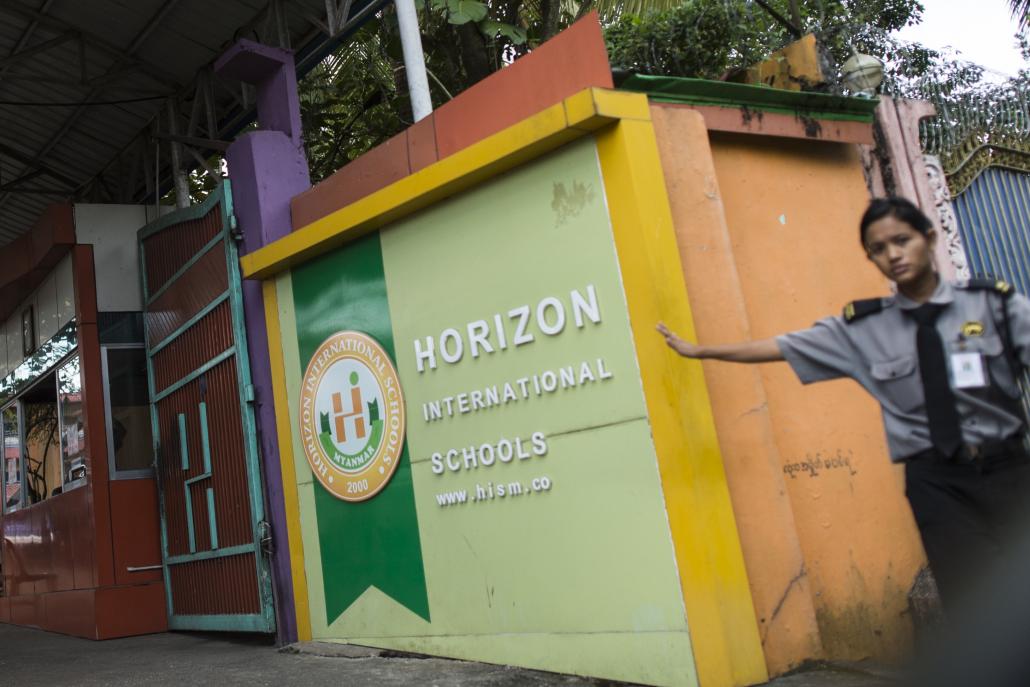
(943, 360)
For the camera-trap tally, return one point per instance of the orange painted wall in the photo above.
(767, 229)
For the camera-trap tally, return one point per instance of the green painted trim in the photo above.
(250, 429)
(671, 89)
(141, 256)
(184, 449)
(190, 322)
(212, 520)
(189, 517)
(155, 433)
(184, 215)
(189, 263)
(205, 443)
(227, 353)
(238, 550)
(205, 448)
(221, 623)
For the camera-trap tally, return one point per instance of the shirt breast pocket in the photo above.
(993, 350)
(897, 382)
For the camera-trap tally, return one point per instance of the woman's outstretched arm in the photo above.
(764, 351)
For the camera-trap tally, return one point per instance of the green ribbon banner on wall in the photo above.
(374, 542)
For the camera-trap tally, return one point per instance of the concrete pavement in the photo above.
(31, 658)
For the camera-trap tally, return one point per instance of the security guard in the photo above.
(944, 362)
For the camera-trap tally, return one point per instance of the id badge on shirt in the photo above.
(968, 370)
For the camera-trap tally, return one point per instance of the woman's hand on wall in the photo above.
(764, 351)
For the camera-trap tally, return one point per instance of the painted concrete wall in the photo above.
(598, 575)
(768, 237)
(111, 230)
(897, 166)
(598, 534)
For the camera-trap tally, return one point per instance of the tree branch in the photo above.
(787, 24)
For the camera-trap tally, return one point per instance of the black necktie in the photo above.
(945, 430)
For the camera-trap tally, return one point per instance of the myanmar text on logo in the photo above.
(352, 416)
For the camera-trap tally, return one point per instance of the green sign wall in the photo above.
(525, 522)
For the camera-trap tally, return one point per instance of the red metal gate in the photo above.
(212, 512)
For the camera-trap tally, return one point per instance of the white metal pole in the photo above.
(414, 60)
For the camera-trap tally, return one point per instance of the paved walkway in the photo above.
(32, 658)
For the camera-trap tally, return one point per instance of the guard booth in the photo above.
(132, 499)
(79, 521)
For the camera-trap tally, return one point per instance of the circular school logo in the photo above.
(352, 416)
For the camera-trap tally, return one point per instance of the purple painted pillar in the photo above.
(267, 168)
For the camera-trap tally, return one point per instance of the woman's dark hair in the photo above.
(896, 207)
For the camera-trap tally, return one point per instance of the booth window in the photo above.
(42, 424)
(130, 443)
(12, 457)
(73, 435)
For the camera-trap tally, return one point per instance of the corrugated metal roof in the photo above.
(83, 85)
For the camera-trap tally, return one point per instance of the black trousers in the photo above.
(967, 514)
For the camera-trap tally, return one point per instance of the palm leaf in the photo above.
(1020, 12)
(611, 10)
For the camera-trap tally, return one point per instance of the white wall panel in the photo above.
(111, 230)
(46, 309)
(12, 332)
(65, 292)
(5, 368)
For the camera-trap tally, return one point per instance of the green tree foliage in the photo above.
(709, 38)
(353, 100)
(357, 98)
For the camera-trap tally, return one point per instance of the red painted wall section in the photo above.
(135, 526)
(26, 261)
(93, 415)
(573, 60)
(148, 613)
(71, 613)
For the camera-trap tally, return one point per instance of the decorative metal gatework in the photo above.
(205, 442)
(982, 141)
(976, 130)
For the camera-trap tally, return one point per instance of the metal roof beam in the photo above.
(195, 142)
(21, 180)
(36, 49)
(101, 83)
(32, 163)
(18, 8)
(124, 57)
(27, 35)
(38, 191)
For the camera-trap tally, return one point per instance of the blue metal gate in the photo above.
(993, 214)
(994, 220)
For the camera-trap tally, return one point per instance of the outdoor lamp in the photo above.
(863, 74)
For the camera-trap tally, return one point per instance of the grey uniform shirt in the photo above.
(879, 352)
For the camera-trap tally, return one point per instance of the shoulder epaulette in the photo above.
(988, 284)
(856, 310)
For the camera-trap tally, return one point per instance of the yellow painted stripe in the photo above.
(289, 476)
(534, 136)
(724, 633)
